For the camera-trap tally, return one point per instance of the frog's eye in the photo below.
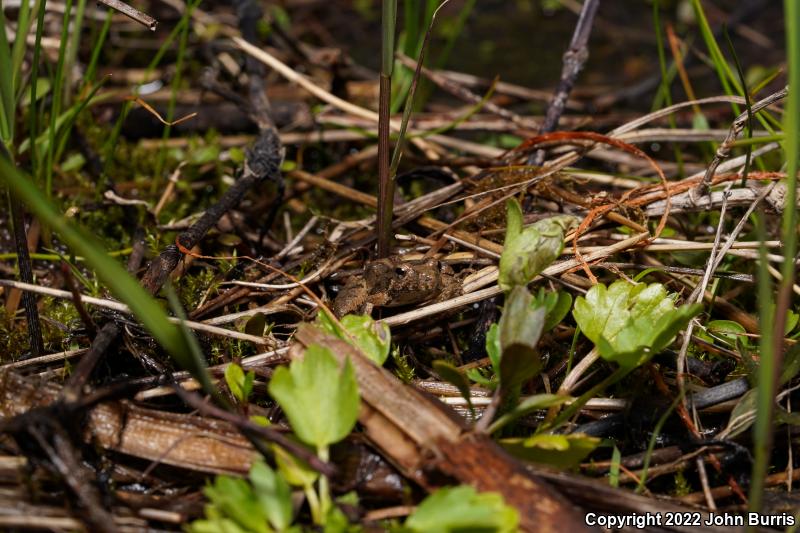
(400, 271)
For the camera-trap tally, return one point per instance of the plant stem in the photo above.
(324, 487)
(386, 180)
(772, 342)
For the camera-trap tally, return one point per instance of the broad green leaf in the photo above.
(520, 328)
(274, 495)
(373, 338)
(475, 375)
(528, 251)
(234, 498)
(556, 305)
(560, 451)
(529, 404)
(726, 330)
(320, 401)
(454, 376)
(629, 323)
(239, 383)
(122, 285)
(457, 509)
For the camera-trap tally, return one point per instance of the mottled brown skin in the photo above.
(393, 282)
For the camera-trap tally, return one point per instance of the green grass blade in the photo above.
(58, 91)
(176, 85)
(773, 313)
(747, 102)
(18, 50)
(72, 50)
(724, 73)
(98, 48)
(111, 143)
(7, 107)
(762, 428)
(37, 48)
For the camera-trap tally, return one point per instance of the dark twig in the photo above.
(132, 13)
(263, 162)
(724, 149)
(574, 59)
(67, 462)
(385, 179)
(26, 276)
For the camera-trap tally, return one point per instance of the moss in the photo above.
(193, 287)
(62, 320)
(13, 336)
(682, 486)
(403, 368)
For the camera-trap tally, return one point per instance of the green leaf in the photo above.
(373, 338)
(320, 401)
(239, 383)
(234, 498)
(454, 376)
(215, 525)
(274, 495)
(457, 509)
(743, 414)
(520, 328)
(728, 331)
(629, 323)
(556, 305)
(205, 154)
(475, 375)
(560, 451)
(7, 107)
(699, 122)
(528, 251)
(72, 163)
(493, 348)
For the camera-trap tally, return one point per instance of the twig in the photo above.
(117, 306)
(26, 275)
(724, 149)
(574, 59)
(131, 12)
